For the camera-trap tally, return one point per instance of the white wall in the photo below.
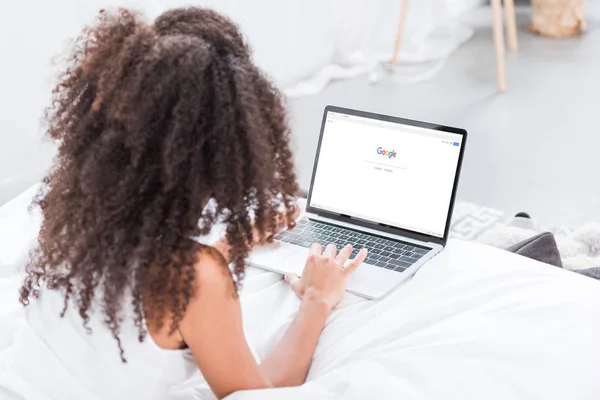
(31, 34)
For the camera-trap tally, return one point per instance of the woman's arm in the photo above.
(321, 288)
(281, 223)
(288, 362)
(212, 326)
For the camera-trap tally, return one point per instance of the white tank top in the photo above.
(55, 358)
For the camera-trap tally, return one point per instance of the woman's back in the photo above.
(153, 121)
(51, 358)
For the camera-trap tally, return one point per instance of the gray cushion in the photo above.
(543, 248)
(591, 272)
(540, 247)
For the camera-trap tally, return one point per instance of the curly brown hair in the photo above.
(153, 121)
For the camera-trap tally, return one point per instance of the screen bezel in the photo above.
(379, 226)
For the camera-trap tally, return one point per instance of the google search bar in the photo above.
(385, 165)
(393, 125)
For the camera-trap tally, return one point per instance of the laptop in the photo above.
(380, 182)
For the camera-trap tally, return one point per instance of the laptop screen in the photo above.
(386, 172)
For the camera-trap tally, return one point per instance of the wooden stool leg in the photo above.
(403, 11)
(499, 43)
(511, 24)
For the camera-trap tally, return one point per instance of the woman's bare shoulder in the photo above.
(213, 275)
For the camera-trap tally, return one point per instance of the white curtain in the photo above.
(365, 35)
(303, 44)
(291, 39)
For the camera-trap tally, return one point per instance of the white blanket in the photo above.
(476, 322)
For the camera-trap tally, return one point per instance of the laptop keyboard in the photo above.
(382, 252)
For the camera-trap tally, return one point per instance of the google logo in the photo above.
(388, 153)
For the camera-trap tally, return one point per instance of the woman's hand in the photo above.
(325, 275)
(282, 222)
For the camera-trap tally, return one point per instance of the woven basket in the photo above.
(558, 18)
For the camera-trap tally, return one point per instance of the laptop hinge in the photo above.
(315, 217)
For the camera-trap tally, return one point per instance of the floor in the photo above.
(534, 148)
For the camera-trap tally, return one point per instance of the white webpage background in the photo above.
(411, 191)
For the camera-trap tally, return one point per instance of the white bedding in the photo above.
(476, 322)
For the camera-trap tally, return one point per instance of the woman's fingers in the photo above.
(316, 249)
(355, 263)
(294, 281)
(330, 250)
(296, 212)
(283, 220)
(344, 254)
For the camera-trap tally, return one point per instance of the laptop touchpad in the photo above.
(294, 263)
(271, 255)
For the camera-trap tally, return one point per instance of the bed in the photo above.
(475, 322)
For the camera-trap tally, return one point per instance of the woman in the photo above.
(153, 121)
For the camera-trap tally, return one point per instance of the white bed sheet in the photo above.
(475, 322)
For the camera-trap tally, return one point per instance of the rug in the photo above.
(579, 247)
